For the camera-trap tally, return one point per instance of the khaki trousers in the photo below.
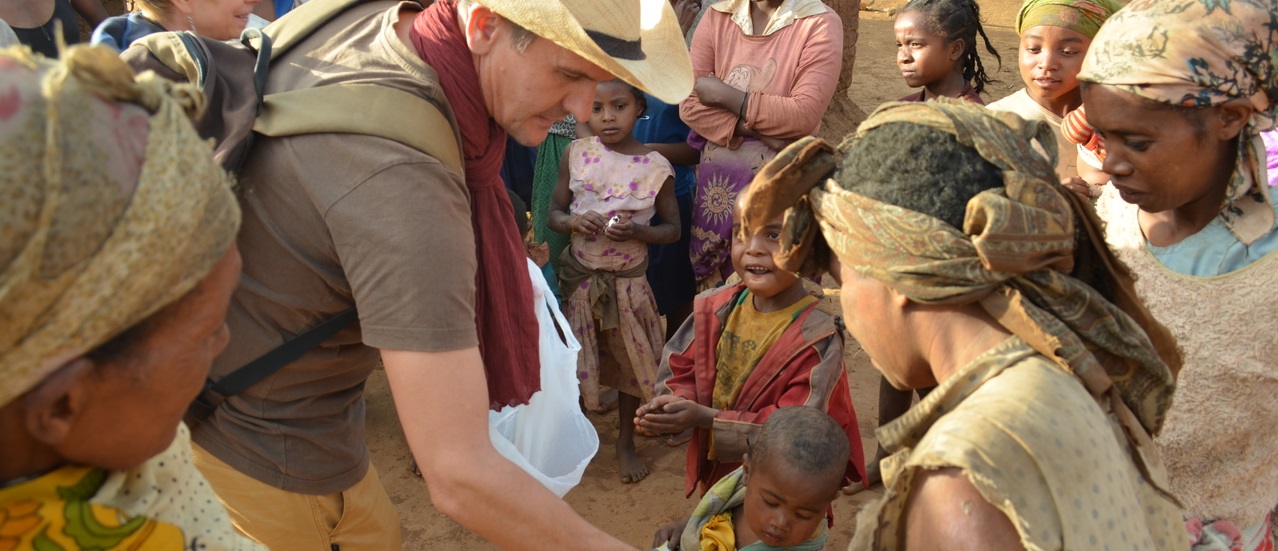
(360, 518)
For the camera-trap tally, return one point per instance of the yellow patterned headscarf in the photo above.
(1031, 254)
(113, 206)
(1199, 53)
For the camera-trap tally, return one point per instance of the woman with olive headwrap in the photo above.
(116, 267)
(965, 264)
(1182, 90)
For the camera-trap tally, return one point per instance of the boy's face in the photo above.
(784, 506)
(1050, 58)
(752, 258)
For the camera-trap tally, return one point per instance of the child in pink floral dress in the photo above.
(609, 188)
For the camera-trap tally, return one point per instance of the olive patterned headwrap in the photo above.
(113, 206)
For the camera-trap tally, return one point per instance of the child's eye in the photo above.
(595, 109)
(1069, 52)
(1136, 145)
(772, 235)
(1034, 50)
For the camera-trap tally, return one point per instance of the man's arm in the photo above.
(944, 511)
(442, 400)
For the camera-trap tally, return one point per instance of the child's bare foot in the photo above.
(633, 469)
(680, 439)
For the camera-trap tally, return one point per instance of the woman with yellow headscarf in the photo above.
(964, 264)
(1054, 37)
(117, 262)
(1182, 90)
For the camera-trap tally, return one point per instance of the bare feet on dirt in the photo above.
(633, 469)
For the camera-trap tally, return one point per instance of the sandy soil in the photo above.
(633, 512)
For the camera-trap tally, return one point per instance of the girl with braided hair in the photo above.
(936, 49)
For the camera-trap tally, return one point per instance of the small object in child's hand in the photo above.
(616, 219)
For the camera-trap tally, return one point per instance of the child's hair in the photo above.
(640, 100)
(958, 20)
(521, 212)
(805, 439)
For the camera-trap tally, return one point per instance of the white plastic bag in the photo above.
(549, 437)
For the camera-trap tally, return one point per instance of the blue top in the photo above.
(121, 30)
(661, 124)
(1213, 250)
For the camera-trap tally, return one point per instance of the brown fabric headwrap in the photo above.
(113, 206)
(1030, 253)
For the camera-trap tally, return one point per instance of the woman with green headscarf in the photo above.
(1181, 90)
(1054, 37)
(117, 263)
(964, 263)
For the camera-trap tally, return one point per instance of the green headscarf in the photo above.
(1084, 16)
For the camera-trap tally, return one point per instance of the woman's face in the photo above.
(1159, 159)
(136, 401)
(875, 316)
(220, 19)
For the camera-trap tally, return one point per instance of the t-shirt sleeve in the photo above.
(405, 241)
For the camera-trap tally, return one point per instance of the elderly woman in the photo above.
(116, 267)
(1182, 92)
(964, 264)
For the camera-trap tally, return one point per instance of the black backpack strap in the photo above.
(264, 366)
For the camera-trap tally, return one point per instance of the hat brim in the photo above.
(665, 70)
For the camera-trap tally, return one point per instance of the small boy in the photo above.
(748, 350)
(779, 496)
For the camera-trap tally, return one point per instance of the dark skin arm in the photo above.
(944, 511)
(91, 10)
(669, 414)
(677, 153)
(669, 533)
(716, 93)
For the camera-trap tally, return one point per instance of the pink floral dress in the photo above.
(613, 183)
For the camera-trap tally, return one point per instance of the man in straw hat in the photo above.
(117, 262)
(428, 255)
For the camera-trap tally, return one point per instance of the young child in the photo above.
(1190, 212)
(1055, 35)
(778, 498)
(936, 49)
(609, 187)
(748, 350)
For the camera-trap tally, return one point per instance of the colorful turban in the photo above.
(1199, 53)
(1084, 16)
(113, 206)
(1030, 253)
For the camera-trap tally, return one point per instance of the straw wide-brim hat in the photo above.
(639, 41)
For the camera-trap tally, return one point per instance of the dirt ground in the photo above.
(633, 512)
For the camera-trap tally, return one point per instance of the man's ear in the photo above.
(481, 26)
(55, 405)
(1234, 116)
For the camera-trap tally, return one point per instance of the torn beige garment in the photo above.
(1037, 446)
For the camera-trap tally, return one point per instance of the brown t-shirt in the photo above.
(333, 221)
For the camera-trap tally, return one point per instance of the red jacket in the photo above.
(803, 368)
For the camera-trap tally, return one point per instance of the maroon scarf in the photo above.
(507, 326)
